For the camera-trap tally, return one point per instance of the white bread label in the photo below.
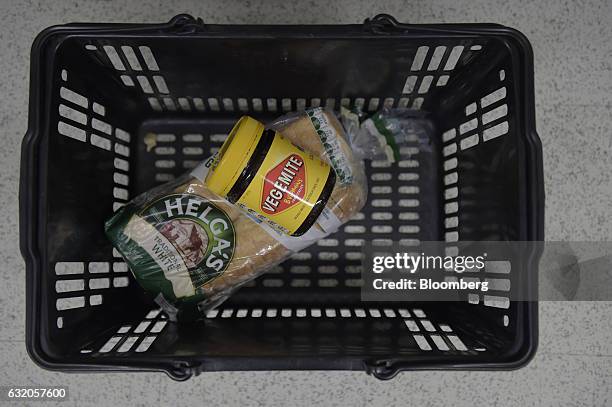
(328, 221)
(163, 252)
(201, 170)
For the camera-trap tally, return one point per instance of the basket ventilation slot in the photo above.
(485, 120)
(138, 67)
(80, 284)
(84, 120)
(129, 339)
(427, 335)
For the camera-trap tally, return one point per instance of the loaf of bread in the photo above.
(199, 238)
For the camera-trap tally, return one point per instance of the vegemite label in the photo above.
(286, 186)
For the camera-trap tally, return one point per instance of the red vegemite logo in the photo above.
(284, 185)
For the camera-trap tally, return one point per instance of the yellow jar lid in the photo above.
(234, 155)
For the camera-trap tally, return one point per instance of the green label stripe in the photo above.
(380, 125)
(329, 138)
(144, 268)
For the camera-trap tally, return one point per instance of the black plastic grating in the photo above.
(138, 69)
(81, 118)
(419, 331)
(486, 119)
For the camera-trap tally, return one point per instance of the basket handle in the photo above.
(184, 24)
(386, 24)
(383, 24)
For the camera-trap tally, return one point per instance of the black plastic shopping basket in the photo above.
(100, 91)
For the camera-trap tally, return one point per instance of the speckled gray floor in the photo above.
(572, 43)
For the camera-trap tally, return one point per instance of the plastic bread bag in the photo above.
(319, 131)
(379, 136)
(190, 248)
